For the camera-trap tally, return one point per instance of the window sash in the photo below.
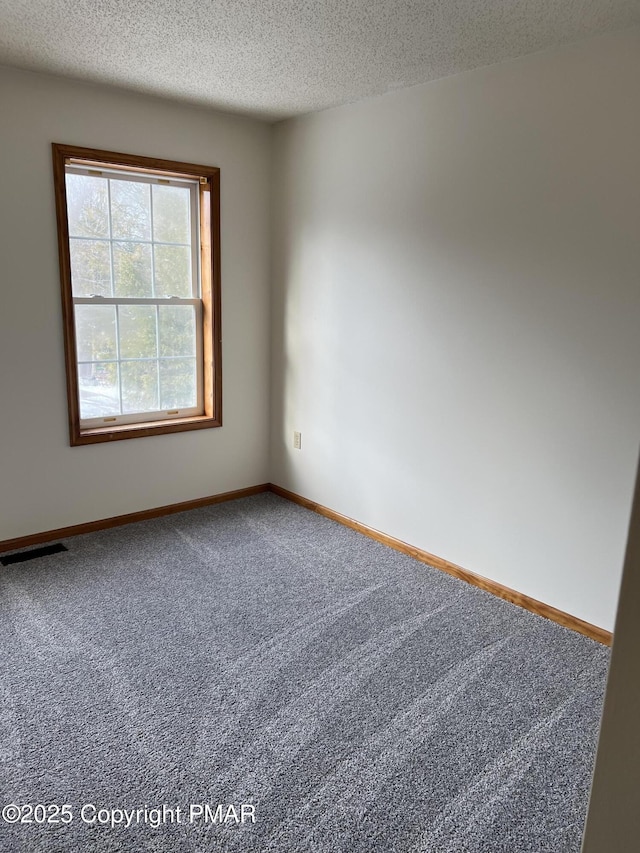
(136, 300)
(145, 178)
(152, 180)
(155, 414)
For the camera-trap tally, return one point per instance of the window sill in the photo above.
(96, 435)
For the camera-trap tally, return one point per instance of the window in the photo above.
(139, 245)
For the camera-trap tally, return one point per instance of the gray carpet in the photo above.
(255, 653)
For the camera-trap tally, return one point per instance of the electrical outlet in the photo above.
(297, 440)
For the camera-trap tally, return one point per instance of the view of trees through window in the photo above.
(134, 283)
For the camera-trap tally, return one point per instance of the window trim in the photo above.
(209, 201)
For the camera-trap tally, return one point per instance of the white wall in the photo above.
(456, 317)
(44, 483)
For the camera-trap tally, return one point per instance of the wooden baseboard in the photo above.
(129, 518)
(511, 595)
(525, 601)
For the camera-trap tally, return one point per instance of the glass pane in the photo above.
(178, 383)
(171, 214)
(139, 386)
(96, 332)
(173, 271)
(132, 269)
(90, 268)
(177, 326)
(137, 328)
(130, 210)
(87, 206)
(99, 392)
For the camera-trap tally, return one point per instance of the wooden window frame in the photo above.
(209, 201)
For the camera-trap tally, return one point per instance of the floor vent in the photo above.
(23, 556)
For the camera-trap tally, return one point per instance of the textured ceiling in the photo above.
(277, 58)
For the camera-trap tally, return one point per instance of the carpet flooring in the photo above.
(317, 691)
